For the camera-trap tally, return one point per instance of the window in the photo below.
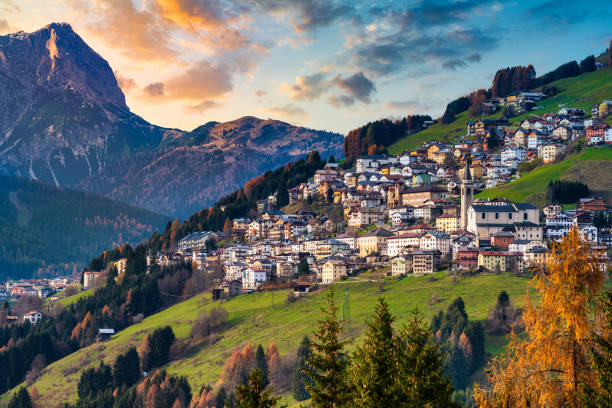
(497, 216)
(483, 216)
(510, 215)
(525, 216)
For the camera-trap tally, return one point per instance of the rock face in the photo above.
(64, 120)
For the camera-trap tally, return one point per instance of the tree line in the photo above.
(374, 137)
(566, 192)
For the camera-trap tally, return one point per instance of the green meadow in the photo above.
(265, 318)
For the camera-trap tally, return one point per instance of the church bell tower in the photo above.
(467, 194)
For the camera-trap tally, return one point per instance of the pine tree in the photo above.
(261, 364)
(21, 399)
(254, 395)
(600, 350)
(300, 378)
(374, 369)
(421, 380)
(126, 370)
(282, 194)
(547, 367)
(303, 267)
(327, 365)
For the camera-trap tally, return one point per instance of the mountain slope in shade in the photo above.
(207, 163)
(49, 230)
(64, 120)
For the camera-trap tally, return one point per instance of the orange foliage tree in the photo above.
(549, 365)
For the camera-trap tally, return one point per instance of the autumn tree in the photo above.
(549, 365)
(327, 364)
(254, 394)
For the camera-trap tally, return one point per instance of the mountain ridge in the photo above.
(64, 120)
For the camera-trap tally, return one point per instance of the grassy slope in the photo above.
(263, 317)
(75, 298)
(532, 186)
(579, 92)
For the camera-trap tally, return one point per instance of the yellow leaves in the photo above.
(545, 368)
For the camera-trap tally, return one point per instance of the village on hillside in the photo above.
(410, 214)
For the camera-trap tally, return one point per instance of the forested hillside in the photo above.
(45, 230)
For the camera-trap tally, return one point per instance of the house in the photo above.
(605, 108)
(333, 270)
(501, 261)
(513, 152)
(425, 262)
(361, 217)
(33, 316)
(105, 334)
(324, 175)
(397, 244)
(608, 135)
(374, 242)
(502, 239)
(89, 277)
(447, 223)
(252, 278)
(401, 265)
(349, 239)
(535, 256)
(435, 240)
(592, 204)
(562, 132)
(467, 257)
(120, 265)
(231, 288)
(595, 134)
(196, 240)
(550, 152)
(416, 196)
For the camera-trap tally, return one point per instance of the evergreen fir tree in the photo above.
(21, 399)
(375, 369)
(303, 267)
(261, 364)
(300, 378)
(126, 370)
(254, 395)
(421, 379)
(327, 365)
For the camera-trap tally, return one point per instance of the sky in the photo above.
(323, 64)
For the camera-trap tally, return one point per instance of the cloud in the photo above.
(307, 88)
(454, 64)
(427, 32)
(259, 93)
(8, 6)
(138, 34)
(405, 105)
(310, 15)
(357, 87)
(203, 106)
(4, 26)
(126, 84)
(287, 110)
(214, 21)
(154, 90)
(555, 15)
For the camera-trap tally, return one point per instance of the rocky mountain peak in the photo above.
(56, 58)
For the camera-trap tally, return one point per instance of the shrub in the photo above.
(209, 323)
